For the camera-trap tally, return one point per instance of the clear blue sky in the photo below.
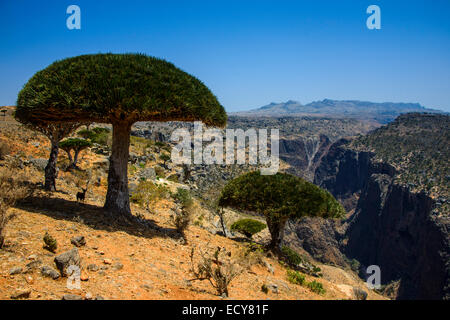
(249, 53)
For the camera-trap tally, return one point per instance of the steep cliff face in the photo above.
(391, 226)
(303, 154)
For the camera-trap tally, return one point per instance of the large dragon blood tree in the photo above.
(119, 89)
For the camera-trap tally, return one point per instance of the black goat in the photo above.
(81, 195)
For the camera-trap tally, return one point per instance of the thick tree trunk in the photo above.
(276, 228)
(117, 198)
(50, 169)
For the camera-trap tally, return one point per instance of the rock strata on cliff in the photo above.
(396, 225)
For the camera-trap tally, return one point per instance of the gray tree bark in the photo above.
(276, 228)
(50, 168)
(117, 198)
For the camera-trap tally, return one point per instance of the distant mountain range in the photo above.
(364, 110)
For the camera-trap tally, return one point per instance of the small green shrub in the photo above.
(50, 243)
(264, 289)
(317, 270)
(316, 287)
(355, 265)
(161, 145)
(248, 227)
(255, 247)
(147, 193)
(183, 218)
(164, 157)
(291, 256)
(296, 277)
(160, 172)
(173, 178)
(183, 196)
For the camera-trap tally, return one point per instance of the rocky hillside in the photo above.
(395, 181)
(363, 110)
(146, 258)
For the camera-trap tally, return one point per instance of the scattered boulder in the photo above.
(148, 173)
(92, 267)
(360, 294)
(67, 259)
(78, 241)
(273, 287)
(117, 266)
(39, 163)
(47, 271)
(72, 297)
(15, 270)
(269, 267)
(107, 261)
(32, 265)
(21, 294)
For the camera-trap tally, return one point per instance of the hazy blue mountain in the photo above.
(381, 112)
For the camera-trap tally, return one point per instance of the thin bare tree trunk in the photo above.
(50, 169)
(75, 157)
(117, 198)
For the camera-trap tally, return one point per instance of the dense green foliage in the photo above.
(248, 227)
(316, 287)
(164, 157)
(291, 256)
(296, 277)
(96, 135)
(279, 195)
(183, 196)
(108, 88)
(147, 193)
(74, 144)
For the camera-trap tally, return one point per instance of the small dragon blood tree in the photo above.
(279, 197)
(54, 132)
(118, 89)
(76, 145)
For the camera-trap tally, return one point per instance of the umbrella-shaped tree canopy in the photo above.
(119, 89)
(279, 197)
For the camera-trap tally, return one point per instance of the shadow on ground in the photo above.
(95, 217)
